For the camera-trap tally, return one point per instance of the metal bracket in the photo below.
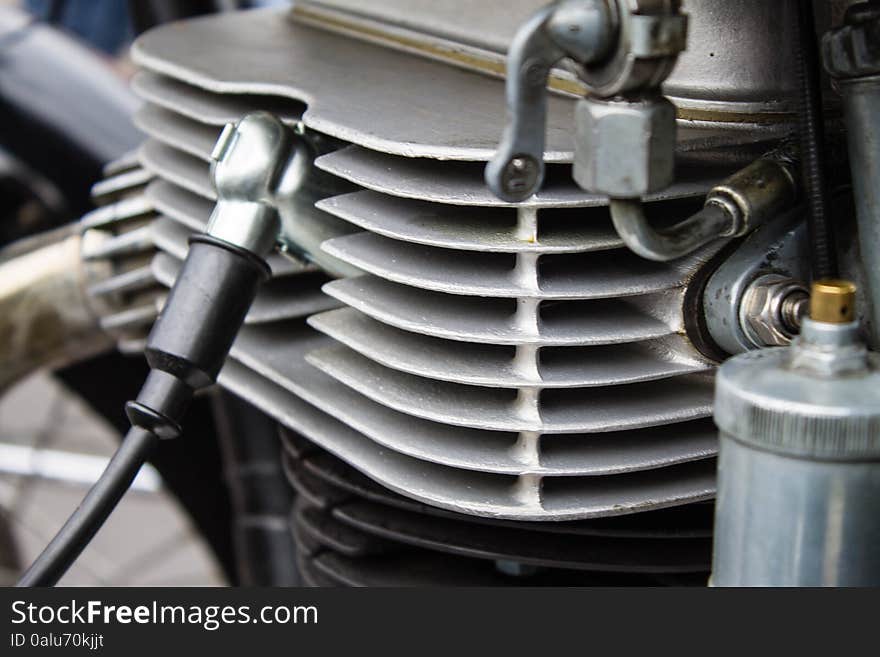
(616, 46)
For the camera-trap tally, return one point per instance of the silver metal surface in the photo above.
(345, 101)
(482, 365)
(494, 321)
(821, 412)
(517, 169)
(363, 104)
(761, 192)
(574, 410)
(851, 56)
(192, 212)
(740, 57)
(798, 468)
(116, 250)
(303, 228)
(278, 353)
(474, 229)
(763, 317)
(203, 106)
(500, 360)
(780, 247)
(785, 521)
(461, 183)
(475, 493)
(624, 149)
(861, 101)
(250, 159)
(603, 275)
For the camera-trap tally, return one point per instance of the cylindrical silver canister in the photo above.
(799, 463)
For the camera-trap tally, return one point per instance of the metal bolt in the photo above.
(520, 173)
(795, 307)
(772, 309)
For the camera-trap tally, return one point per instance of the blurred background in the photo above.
(65, 112)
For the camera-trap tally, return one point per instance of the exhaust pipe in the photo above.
(46, 318)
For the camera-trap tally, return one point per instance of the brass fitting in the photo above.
(833, 301)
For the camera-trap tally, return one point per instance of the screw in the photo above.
(520, 174)
(794, 308)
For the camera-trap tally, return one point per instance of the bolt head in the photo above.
(624, 149)
(521, 173)
(762, 311)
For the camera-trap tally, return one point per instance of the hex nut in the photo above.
(761, 312)
(624, 149)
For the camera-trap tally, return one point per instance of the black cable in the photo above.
(95, 508)
(201, 317)
(811, 131)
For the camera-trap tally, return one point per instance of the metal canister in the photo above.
(799, 463)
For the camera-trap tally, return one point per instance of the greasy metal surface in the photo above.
(779, 247)
(366, 529)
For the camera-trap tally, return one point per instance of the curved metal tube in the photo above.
(45, 316)
(710, 223)
(739, 204)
